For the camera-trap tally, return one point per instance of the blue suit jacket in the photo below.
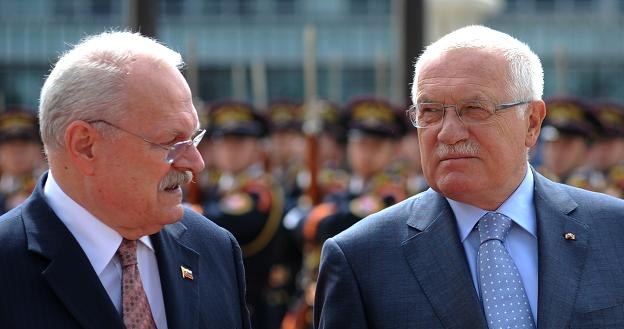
(405, 266)
(46, 280)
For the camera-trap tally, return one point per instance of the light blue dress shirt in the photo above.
(521, 241)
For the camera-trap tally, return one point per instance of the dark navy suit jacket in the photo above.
(405, 266)
(46, 280)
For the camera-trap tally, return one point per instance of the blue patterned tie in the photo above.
(504, 300)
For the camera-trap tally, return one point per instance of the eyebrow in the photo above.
(475, 98)
(177, 132)
(177, 136)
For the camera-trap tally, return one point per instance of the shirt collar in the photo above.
(519, 207)
(98, 241)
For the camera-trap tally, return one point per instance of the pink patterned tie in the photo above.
(136, 309)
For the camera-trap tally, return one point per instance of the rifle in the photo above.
(300, 316)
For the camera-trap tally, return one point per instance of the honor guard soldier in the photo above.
(374, 131)
(323, 174)
(286, 146)
(408, 160)
(607, 154)
(245, 201)
(331, 175)
(373, 136)
(331, 138)
(21, 156)
(207, 179)
(569, 130)
(286, 160)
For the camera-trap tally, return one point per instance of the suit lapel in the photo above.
(181, 294)
(561, 261)
(69, 273)
(438, 261)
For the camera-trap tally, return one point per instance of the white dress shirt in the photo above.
(100, 243)
(521, 241)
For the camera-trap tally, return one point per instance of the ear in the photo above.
(80, 138)
(536, 114)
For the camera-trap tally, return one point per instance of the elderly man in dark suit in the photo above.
(104, 241)
(492, 244)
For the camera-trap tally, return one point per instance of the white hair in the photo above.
(526, 78)
(88, 81)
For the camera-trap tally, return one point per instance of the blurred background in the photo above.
(253, 50)
(304, 105)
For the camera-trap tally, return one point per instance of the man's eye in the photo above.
(429, 108)
(475, 111)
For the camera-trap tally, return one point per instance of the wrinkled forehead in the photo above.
(157, 95)
(156, 83)
(156, 77)
(462, 70)
(465, 61)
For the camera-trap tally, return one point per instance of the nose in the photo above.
(189, 159)
(452, 129)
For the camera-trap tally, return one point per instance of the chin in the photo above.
(171, 215)
(177, 213)
(455, 184)
(456, 193)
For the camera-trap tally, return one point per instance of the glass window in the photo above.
(21, 85)
(285, 7)
(545, 5)
(358, 81)
(215, 83)
(63, 9)
(358, 7)
(285, 82)
(379, 7)
(245, 7)
(580, 5)
(511, 6)
(101, 7)
(172, 7)
(212, 7)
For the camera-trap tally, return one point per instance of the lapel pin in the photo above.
(570, 236)
(186, 273)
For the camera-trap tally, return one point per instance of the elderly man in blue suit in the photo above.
(492, 244)
(104, 241)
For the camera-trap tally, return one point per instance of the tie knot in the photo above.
(127, 252)
(493, 225)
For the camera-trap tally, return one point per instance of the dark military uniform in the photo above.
(285, 119)
(21, 161)
(329, 177)
(570, 121)
(366, 119)
(611, 117)
(248, 204)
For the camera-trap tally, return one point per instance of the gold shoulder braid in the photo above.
(270, 228)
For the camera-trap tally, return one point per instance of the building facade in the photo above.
(253, 49)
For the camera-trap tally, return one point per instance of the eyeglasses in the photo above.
(425, 115)
(174, 151)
